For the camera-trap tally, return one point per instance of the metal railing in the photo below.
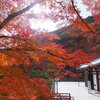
(63, 96)
(60, 96)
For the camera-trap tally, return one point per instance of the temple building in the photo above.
(92, 74)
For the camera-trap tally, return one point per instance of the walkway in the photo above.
(77, 90)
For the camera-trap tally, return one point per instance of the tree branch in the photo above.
(4, 36)
(48, 52)
(15, 49)
(60, 3)
(30, 50)
(10, 17)
(13, 37)
(81, 17)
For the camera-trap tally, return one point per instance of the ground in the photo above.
(77, 90)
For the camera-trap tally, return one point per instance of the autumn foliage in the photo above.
(16, 85)
(76, 42)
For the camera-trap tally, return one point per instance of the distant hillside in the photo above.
(89, 19)
(74, 39)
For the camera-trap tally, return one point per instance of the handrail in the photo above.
(63, 96)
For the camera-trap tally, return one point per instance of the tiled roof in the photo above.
(94, 62)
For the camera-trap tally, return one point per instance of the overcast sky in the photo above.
(49, 24)
(84, 13)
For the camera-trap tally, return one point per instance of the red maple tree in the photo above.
(20, 44)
